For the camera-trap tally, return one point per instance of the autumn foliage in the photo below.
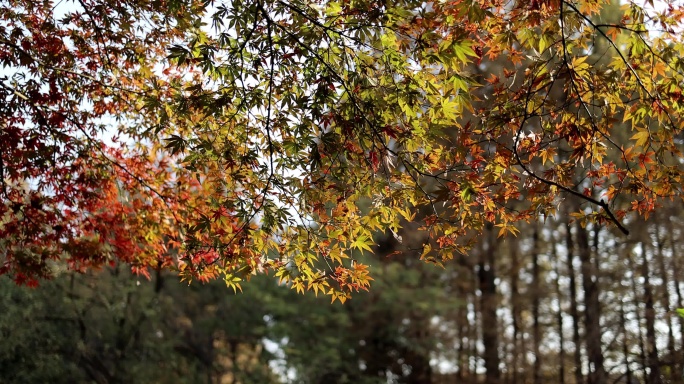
(227, 139)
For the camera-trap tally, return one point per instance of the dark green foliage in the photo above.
(127, 331)
(111, 327)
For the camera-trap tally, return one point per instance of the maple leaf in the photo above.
(642, 138)
(362, 242)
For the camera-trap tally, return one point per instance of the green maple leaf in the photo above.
(363, 243)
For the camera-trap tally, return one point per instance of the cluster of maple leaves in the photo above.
(226, 139)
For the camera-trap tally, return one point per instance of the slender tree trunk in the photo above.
(515, 310)
(559, 317)
(675, 279)
(462, 328)
(473, 356)
(636, 297)
(665, 298)
(234, 362)
(592, 308)
(574, 311)
(625, 343)
(417, 358)
(651, 347)
(536, 291)
(489, 304)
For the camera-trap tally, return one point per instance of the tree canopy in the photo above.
(223, 139)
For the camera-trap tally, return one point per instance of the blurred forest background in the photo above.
(537, 308)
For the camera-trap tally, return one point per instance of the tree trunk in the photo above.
(515, 311)
(651, 347)
(574, 312)
(675, 279)
(636, 297)
(462, 336)
(536, 291)
(489, 304)
(592, 308)
(665, 298)
(559, 317)
(473, 366)
(418, 358)
(625, 343)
